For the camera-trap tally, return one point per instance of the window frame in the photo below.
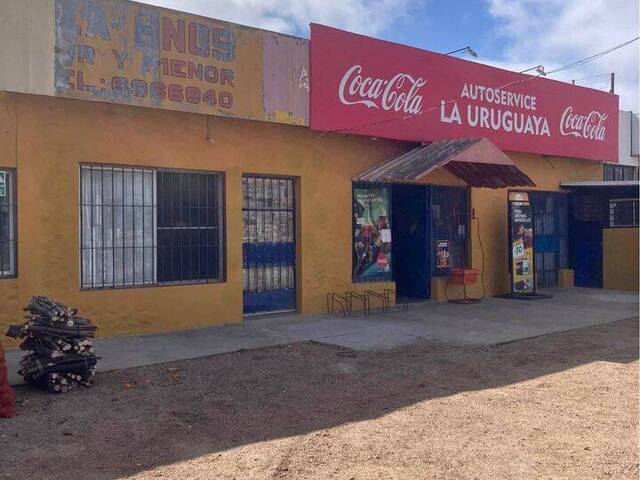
(616, 169)
(223, 227)
(222, 212)
(636, 212)
(382, 277)
(13, 226)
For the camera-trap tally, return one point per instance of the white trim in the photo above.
(603, 183)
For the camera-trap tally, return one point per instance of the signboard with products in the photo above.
(443, 255)
(521, 244)
(372, 234)
(371, 87)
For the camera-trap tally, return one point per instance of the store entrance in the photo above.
(410, 226)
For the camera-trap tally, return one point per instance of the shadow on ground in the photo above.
(137, 419)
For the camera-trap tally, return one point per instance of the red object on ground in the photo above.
(464, 276)
(7, 397)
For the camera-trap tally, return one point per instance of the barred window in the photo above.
(623, 212)
(142, 226)
(7, 223)
(615, 172)
(189, 226)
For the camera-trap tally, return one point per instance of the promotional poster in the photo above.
(521, 241)
(372, 246)
(443, 258)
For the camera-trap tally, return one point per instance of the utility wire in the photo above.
(594, 57)
(510, 84)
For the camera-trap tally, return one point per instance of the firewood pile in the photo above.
(59, 346)
(7, 397)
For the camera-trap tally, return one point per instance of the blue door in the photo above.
(410, 221)
(550, 241)
(588, 254)
(268, 245)
(586, 231)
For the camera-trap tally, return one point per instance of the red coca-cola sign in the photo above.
(366, 86)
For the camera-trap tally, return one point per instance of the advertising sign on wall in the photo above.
(371, 87)
(443, 256)
(521, 243)
(372, 234)
(130, 53)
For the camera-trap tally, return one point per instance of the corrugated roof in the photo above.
(476, 161)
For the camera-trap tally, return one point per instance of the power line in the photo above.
(510, 84)
(594, 57)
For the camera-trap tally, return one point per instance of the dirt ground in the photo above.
(559, 406)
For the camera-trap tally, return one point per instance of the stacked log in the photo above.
(7, 397)
(59, 346)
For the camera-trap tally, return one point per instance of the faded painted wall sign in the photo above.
(124, 52)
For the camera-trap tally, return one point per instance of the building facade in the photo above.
(158, 172)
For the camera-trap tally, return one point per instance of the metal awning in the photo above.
(476, 161)
(602, 184)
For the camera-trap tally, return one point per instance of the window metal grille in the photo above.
(449, 220)
(141, 226)
(269, 234)
(623, 212)
(8, 243)
(587, 208)
(551, 223)
(619, 172)
(118, 233)
(190, 227)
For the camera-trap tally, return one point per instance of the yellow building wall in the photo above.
(55, 135)
(491, 210)
(9, 302)
(620, 258)
(47, 138)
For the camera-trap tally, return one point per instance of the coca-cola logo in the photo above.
(590, 126)
(398, 93)
(382, 262)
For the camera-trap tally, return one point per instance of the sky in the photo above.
(512, 34)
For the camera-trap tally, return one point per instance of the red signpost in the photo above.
(371, 87)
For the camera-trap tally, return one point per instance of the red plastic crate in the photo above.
(464, 276)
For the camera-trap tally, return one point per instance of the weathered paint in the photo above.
(124, 52)
(118, 51)
(285, 78)
(47, 155)
(620, 258)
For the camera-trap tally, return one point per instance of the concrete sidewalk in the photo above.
(490, 322)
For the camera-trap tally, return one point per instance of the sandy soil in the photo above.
(559, 406)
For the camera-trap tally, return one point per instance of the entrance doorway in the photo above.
(268, 245)
(410, 224)
(587, 225)
(550, 242)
